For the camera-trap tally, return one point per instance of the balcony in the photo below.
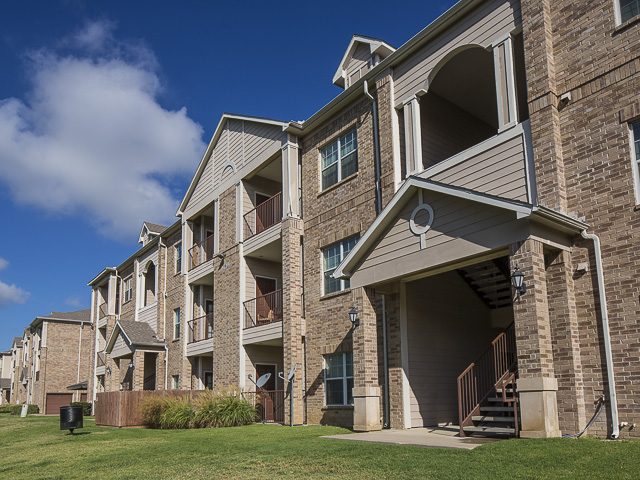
(201, 252)
(263, 310)
(200, 335)
(103, 313)
(100, 363)
(263, 217)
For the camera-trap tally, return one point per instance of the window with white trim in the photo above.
(179, 257)
(176, 324)
(128, 289)
(634, 129)
(331, 258)
(339, 159)
(338, 379)
(176, 382)
(627, 9)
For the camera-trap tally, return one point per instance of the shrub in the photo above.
(5, 408)
(16, 409)
(153, 409)
(224, 408)
(86, 407)
(178, 414)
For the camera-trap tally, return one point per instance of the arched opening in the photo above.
(459, 109)
(150, 284)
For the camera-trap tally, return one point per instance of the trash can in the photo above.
(70, 418)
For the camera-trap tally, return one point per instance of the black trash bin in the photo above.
(71, 418)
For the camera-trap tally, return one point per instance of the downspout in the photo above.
(387, 419)
(605, 332)
(79, 353)
(376, 144)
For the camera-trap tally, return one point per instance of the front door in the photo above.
(262, 215)
(208, 309)
(267, 397)
(208, 380)
(265, 311)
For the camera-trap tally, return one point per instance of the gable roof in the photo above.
(135, 333)
(152, 229)
(77, 316)
(413, 184)
(17, 342)
(376, 45)
(216, 135)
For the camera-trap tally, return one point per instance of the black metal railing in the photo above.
(263, 310)
(200, 328)
(201, 252)
(264, 216)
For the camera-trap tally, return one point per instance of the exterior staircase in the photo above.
(487, 397)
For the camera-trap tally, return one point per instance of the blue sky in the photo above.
(106, 108)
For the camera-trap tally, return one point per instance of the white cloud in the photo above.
(73, 302)
(93, 140)
(10, 294)
(3, 263)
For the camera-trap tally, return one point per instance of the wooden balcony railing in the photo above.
(101, 359)
(263, 310)
(263, 216)
(200, 328)
(201, 252)
(494, 367)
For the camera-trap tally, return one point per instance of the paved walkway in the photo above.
(440, 437)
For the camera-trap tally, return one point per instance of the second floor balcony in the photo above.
(263, 217)
(200, 328)
(201, 252)
(263, 310)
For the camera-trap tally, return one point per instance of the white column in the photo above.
(412, 136)
(290, 176)
(505, 83)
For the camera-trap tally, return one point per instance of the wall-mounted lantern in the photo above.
(517, 279)
(353, 317)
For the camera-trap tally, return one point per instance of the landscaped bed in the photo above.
(34, 447)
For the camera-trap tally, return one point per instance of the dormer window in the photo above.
(362, 54)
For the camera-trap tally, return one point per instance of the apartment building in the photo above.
(451, 235)
(5, 377)
(137, 307)
(18, 390)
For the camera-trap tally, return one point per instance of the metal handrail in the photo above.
(263, 216)
(485, 374)
(263, 310)
(200, 328)
(201, 252)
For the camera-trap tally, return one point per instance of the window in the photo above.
(331, 258)
(339, 159)
(176, 324)
(128, 289)
(628, 9)
(179, 258)
(338, 379)
(176, 382)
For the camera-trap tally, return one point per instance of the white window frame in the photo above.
(178, 255)
(344, 284)
(177, 322)
(344, 378)
(618, 13)
(338, 143)
(128, 288)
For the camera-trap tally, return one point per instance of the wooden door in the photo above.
(264, 305)
(83, 397)
(261, 212)
(268, 406)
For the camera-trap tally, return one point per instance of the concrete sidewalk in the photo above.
(435, 437)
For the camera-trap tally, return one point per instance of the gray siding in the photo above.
(448, 327)
(499, 171)
(204, 185)
(461, 228)
(485, 24)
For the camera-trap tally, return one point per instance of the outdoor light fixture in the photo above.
(517, 279)
(353, 314)
(131, 364)
(108, 370)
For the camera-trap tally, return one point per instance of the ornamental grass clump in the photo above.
(178, 414)
(224, 407)
(152, 409)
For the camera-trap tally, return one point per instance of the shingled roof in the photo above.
(139, 333)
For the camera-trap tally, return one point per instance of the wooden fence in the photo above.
(122, 409)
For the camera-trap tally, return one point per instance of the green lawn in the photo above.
(35, 448)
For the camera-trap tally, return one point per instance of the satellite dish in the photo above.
(263, 379)
(292, 372)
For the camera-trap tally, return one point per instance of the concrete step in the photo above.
(494, 430)
(485, 418)
(496, 409)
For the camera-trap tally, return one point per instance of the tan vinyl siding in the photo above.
(461, 228)
(264, 355)
(361, 56)
(204, 185)
(236, 147)
(499, 171)
(485, 24)
(448, 327)
(220, 156)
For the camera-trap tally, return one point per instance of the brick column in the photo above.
(160, 371)
(366, 387)
(394, 349)
(537, 384)
(138, 370)
(567, 360)
(292, 228)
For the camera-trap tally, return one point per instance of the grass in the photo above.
(34, 447)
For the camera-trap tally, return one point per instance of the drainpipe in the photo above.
(387, 419)
(376, 144)
(605, 332)
(164, 314)
(79, 355)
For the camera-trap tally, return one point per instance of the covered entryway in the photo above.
(57, 400)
